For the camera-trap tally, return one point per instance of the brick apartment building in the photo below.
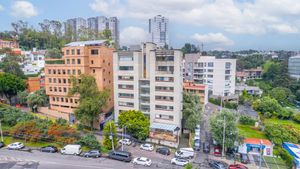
(87, 57)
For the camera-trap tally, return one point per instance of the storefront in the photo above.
(255, 146)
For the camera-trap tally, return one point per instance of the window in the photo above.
(65, 89)
(49, 71)
(164, 117)
(65, 81)
(75, 101)
(165, 108)
(210, 76)
(94, 52)
(69, 80)
(67, 100)
(57, 98)
(227, 77)
(210, 64)
(68, 52)
(50, 89)
(164, 98)
(125, 95)
(71, 100)
(55, 89)
(53, 99)
(164, 89)
(59, 80)
(73, 51)
(62, 99)
(74, 72)
(128, 78)
(92, 62)
(94, 71)
(73, 61)
(210, 70)
(54, 80)
(108, 64)
(125, 58)
(227, 72)
(59, 89)
(69, 71)
(125, 68)
(103, 70)
(129, 87)
(78, 51)
(103, 61)
(68, 61)
(50, 80)
(79, 72)
(227, 65)
(78, 61)
(54, 71)
(58, 71)
(126, 104)
(63, 71)
(164, 79)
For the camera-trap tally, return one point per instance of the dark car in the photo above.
(49, 149)
(120, 155)
(1, 144)
(163, 151)
(92, 153)
(245, 159)
(217, 164)
(237, 166)
(206, 147)
(197, 145)
(230, 153)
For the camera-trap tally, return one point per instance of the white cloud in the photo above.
(240, 17)
(216, 39)
(23, 9)
(1, 8)
(133, 35)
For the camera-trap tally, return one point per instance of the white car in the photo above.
(179, 161)
(147, 147)
(125, 141)
(15, 146)
(142, 161)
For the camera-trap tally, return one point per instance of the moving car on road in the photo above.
(125, 141)
(237, 166)
(217, 164)
(179, 161)
(197, 144)
(142, 161)
(120, 155)
(73, 149)
(147, 147)
(49, 149)
(163, 151)
(15, 146)
(92, 153)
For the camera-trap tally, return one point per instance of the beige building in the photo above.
(197, 89)
(88, 57)
(150, 80)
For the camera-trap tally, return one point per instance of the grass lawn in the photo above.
(250, 132)
(275, 163)
(283, 122)
(9, 140)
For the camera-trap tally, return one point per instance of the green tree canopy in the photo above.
(283, 95)
(192, 110)
(136, 123)
(266, 104)
(37, 98)
(110, 134)
(10, 85)
(231, 130)
(189, 48)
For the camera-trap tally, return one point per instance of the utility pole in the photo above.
(111, 137)
(1, 131)
(260, 154)
(224, 125)
(122, 138)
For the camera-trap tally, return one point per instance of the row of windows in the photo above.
(127, 78)
(58, 89)
(162, 107)
(164, 98)
(126, 104)
(74, 61)
(73, 51)
(64, 71)
(66, 100)
(164, 89)
(126, 68)
(125, 95)
(164, 117)
(164, 79)
(128, 87)
(59, 80)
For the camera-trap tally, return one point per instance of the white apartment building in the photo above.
(217, 74)
(159, 30)
(34, 61)
(150, 80)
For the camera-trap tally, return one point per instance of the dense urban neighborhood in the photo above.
(73, 95)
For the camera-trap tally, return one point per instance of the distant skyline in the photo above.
(219, 24)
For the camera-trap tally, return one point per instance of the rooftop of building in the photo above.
(86, 43)
(257, 141)
(294, 149)
(193, 86)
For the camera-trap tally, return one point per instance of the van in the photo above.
(120, 155)
(73, 149)
(185, 153)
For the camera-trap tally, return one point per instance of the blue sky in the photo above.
(219, 24)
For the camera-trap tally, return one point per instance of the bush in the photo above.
(286, 157)
(61, 121)
(246, 120)
(27, 130)
(89, 141)
(282, 133)
(226, 104)
(296, 117)
(63, 134)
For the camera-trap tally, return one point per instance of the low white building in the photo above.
(255, 146)
(34, 61)
(253, 90)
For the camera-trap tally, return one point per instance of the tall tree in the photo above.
(217, 127)
(91, 101)
(189, 48)
(22, 96)
(191, 111)
(136, 123)
(10, 85)
(12, 67)
(38, 98)
(110, 135)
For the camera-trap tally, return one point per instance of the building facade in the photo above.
(247, 74)
(150, 80)
(89, 57)
(8, 44)
(74, 25)
(217, 74)
(197, 89)
(159, 30)
(294, 67)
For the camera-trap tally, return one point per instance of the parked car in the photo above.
(245, 159)
(1, 144)
(217, 164)
(125, 141)
(92, 153)
(230, 153)
(120, 155)
(206, 147)
(16, 146)
(142, 161)
(49, 149)
(73, 149)
(179, 161)
(185, 153)
(147, 147)
(237, 166)
(163, 151)
(197, 144)
(217, 151)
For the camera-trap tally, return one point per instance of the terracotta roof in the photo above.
(257, 141)
(191, 85)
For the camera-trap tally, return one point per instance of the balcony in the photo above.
(54, 61)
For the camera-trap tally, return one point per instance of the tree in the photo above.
(267, 105)
(53, 53)
(22, 96)
(89, 141)
(189, 48)
(91, 101)
(11, 66)
(191, 111)
(110, 134)
(283, 95)
(38, 98)
(231, 130)
(10, 85)
(136, 123)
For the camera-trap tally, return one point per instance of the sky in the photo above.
(218, 24)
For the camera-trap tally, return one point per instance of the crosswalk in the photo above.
(11, 162)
